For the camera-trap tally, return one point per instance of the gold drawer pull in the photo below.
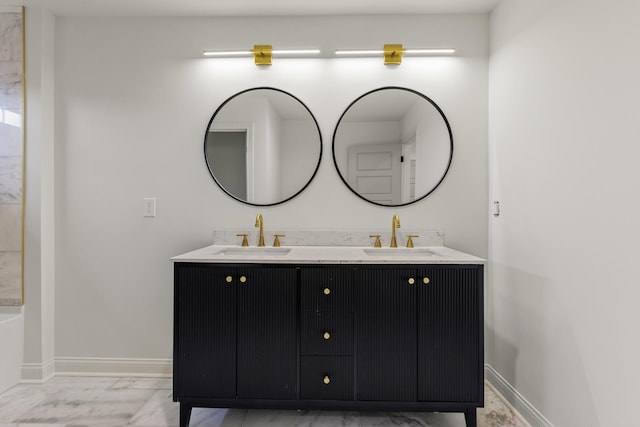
(229, 279)
(426, 280)
(327, 291)
(326, 335)
(243, 279)
(326, 379)
(411, 280)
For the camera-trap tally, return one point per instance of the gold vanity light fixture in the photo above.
(262, 53)
(393, 52)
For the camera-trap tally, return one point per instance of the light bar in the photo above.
(296, 51)
(393, 52)
(227, 53)
(262, 54)
(356, 52)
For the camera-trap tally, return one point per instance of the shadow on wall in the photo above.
(534, 347)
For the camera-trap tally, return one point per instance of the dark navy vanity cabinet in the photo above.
(335, 337)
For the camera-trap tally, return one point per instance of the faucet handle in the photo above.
(245, 242)
(410, 240)
(377, 243)
(276, 240)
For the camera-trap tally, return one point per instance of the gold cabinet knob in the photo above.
(426, 280)
(228, 279)
(243, 279)
(326, 335)
(411, 280)
(327, 291)
(326, 379)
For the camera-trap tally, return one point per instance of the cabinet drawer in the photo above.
(326, 333)
(326, 377)
(325, 289)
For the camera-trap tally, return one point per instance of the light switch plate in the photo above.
(149, 206)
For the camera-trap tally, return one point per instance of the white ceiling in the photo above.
(255, 7)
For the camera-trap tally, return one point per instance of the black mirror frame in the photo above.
(209, 127)
(333, 145)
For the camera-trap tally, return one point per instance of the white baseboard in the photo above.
(98, 366)
(94, 367)
(37, 372)
(101, 366)
(515, 399)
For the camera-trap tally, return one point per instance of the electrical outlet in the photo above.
(149, 206)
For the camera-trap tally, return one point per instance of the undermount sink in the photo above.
(253, 251)
(404, 252)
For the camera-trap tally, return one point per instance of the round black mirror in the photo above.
(263, 146)
(392, 146)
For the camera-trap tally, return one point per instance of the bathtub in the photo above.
(11, 346)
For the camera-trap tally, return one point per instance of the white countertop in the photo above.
(328, 255)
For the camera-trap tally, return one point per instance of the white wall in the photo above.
(133, 98)
(564, 141)
(431, 159)
(39, 233)
(296, 155)
(272, 156)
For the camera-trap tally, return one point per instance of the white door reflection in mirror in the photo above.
(375, 172)
(392, 146)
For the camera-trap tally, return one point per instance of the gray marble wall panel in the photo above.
(10, 277)
(11, 180)
(11, 154)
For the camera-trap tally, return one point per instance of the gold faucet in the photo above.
(260, 223)
(395, 223)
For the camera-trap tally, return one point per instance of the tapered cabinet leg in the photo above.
(471, 417)
(185, 414)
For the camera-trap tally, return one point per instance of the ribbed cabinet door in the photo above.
(267, 333)
(385, 335)
(205, 332)
(450, 335)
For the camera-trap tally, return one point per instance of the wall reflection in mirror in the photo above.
(392, 146)
(263, 146)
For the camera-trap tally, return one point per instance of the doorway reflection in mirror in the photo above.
(392, 146)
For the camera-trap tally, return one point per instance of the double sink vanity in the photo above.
(330, 327)
(328, 320)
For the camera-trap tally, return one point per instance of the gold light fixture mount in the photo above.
(393, 54)
(262, 54)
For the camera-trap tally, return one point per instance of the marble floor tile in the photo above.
(148, 402)
(214, 417)
(411, 419)
(144, 383)
(19, 400)
(70, 383)
(496, 413)
(159, 410)
(31, 425)
(86, 401)
(265, 418)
